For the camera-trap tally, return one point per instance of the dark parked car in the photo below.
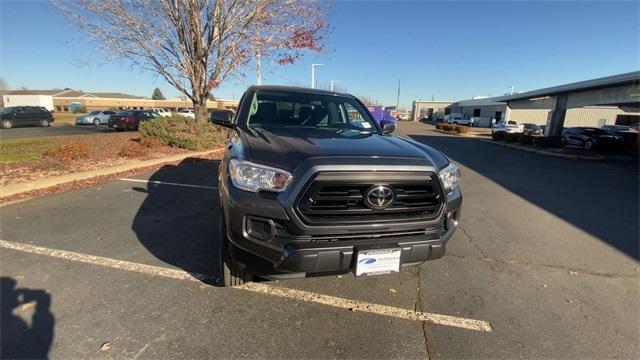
(531, 129)
(222, 114)
(311, 184)
(25, 116)
(130, 119)
(589, 138)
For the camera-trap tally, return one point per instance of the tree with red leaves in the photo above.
(196, 45)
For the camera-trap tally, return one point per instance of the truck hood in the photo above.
(287, 148)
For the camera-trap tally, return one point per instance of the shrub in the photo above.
(183, 132)
(80, 110)
(526, 139)
(461, 129)
(498, 136)
(511, 138)
(67, 152)
(439, 126)
(132, 150)
(447, 127)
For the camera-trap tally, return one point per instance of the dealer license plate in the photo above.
(377, 262)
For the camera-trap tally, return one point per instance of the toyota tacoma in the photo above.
(311, 185)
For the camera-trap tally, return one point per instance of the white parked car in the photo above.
(187, 113)
(510, 126)
(161, 111)
(459, 120)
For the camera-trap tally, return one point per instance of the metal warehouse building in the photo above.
(538, 107)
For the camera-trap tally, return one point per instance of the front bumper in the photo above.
(289, 245)
(84, 121)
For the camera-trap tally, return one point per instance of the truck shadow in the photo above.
(27, 324)
(179, 224)
(600, 198)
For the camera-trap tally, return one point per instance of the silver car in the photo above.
(95, 117)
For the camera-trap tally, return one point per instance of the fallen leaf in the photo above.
(573, 273)
(106, 346)
(393, 291)
(544, 285)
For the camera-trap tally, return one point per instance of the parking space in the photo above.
(544, 265)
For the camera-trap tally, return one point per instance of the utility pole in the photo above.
(398, 100)
(512, 89)
(313, 74)
(332, 84)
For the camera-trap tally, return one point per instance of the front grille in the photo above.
(400, 236)
(338, 198)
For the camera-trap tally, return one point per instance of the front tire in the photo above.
(232, 273)
(6, 124)
(96, 122)
(44, 123)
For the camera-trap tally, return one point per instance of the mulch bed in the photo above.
(103, 150)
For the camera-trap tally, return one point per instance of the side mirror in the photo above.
(222, 120)
(387, 126)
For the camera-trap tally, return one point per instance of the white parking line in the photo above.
(169, 183)
(353, 305)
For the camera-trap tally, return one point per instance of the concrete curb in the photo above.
(547, 153)
(13, 189)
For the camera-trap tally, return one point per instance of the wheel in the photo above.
(588, 145)
(44, 122)
(6, 124)
(232, 273)
(563, 142)
(455, 123)
(96, 122)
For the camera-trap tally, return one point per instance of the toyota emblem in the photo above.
(379, 197)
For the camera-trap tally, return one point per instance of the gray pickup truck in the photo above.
(311, 184)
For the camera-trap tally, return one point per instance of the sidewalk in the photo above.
(28, 186)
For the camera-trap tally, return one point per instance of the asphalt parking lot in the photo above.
(546, 256)
(59, 130)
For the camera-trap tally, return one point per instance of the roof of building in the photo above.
(614, 80)
(480, 102)
(73, 93)
(434, 101)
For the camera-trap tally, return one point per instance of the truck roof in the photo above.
(296, 89)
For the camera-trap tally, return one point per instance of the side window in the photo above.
(353, 116)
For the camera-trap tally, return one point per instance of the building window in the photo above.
(66, 108)
(476, 112)
(58, 108)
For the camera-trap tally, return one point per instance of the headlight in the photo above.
(450, 177)
(252, 177)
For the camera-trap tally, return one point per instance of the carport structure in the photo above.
(621, 90)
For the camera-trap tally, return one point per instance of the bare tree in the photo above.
(367, 100)
(195, 45)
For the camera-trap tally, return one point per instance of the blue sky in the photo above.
(450, 50)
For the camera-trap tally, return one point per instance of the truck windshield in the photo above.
(308, 110)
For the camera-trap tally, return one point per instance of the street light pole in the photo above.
(313, 75)
(332, 84)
